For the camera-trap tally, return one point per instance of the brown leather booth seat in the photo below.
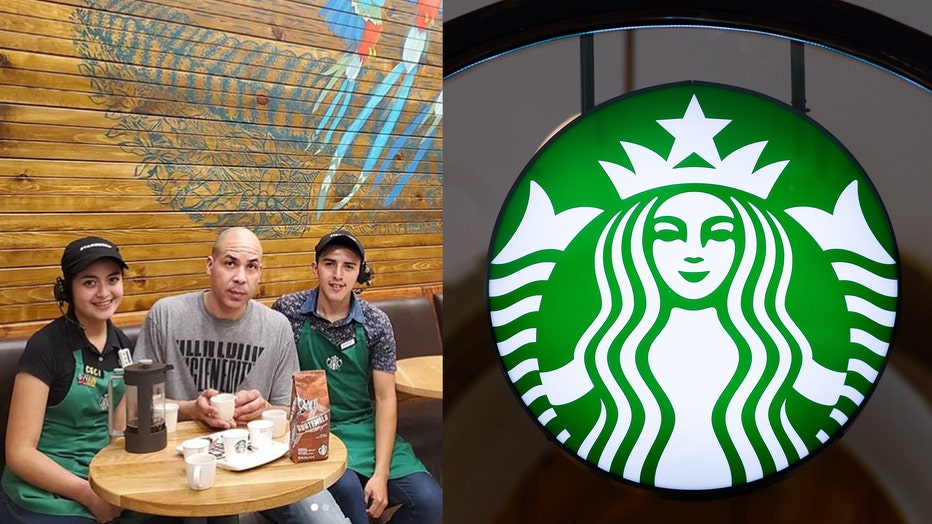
(414, 319)
(10, 350)
(438, 307)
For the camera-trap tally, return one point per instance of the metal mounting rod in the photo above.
(798, 76)
(629, 61)
(586, 73)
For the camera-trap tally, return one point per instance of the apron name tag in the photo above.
(125, 358)
(347, 344)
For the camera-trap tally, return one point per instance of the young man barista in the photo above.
(353, 341)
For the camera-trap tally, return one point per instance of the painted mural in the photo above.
(270, 136)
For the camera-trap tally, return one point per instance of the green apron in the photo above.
(72, 433)
(352, 417)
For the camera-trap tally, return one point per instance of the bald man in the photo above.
(220, 340)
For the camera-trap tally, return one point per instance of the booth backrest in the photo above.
(10, 350)
(414, 320)
(438, 306)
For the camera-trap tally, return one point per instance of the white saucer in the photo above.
(252, 458)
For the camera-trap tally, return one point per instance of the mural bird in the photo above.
(359, 25)
(355, 20)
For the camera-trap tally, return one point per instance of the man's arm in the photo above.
(386, 422)
(149, 343)
(280, 390)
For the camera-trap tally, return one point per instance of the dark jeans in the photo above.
(419, 494)
(319, 508)
(11, 513)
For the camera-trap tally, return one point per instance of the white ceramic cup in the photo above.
(235, 443)
(260, 433)
(201, 469)
(279, 417)
(225, 403)
(171, 417)
(194, 446)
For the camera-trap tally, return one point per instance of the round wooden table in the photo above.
(422, 376)
(156, 483)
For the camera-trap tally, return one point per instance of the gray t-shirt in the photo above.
(255, 351)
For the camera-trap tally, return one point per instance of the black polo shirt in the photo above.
(48, 355)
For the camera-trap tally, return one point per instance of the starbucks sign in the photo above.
(693, 288)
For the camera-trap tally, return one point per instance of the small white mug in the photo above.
(225, 403)
(279, 417)
(235, 442)
(201, 469)
(260, 433)
(171, 417)
(194, 446)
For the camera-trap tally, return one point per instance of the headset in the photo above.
(62, 291)
(365, 274)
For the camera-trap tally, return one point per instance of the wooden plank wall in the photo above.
(157, 123)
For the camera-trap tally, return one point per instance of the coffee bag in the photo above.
(310, 416)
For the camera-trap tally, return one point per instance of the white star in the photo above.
(693, 134)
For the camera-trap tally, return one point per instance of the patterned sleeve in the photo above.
(290, 306)
(380, 337)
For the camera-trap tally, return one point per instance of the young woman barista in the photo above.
(58, 412)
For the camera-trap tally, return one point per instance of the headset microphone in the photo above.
(73, 322)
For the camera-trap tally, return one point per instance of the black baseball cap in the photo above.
(340, 237)
(83, 252)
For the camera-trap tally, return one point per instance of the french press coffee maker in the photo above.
(145, 406)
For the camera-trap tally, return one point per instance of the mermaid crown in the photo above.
(693, 136)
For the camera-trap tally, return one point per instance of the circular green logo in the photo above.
(693, 287)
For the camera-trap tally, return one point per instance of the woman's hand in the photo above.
(105, 511)
(102, 510)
